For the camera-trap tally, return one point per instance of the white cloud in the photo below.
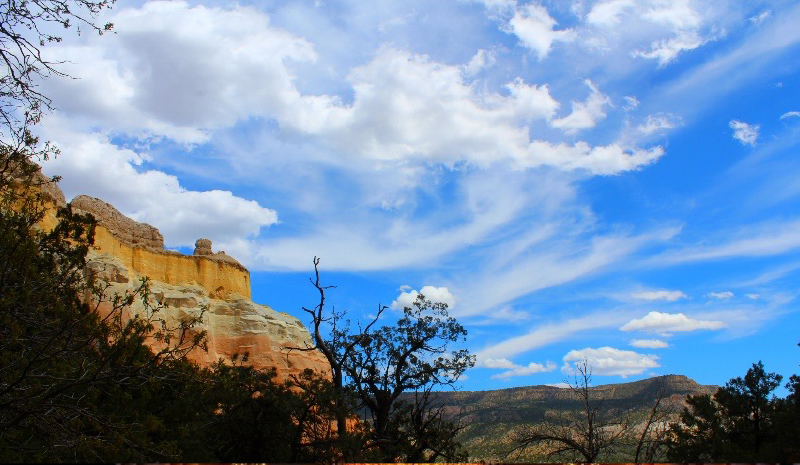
(434, 294)
(92, 165)
(631, 102)
(790, 114)
(546, 334)
(769, 238)
(745, 133)
(607, 13)
(585, 114)
(503, 363)
(649, 343)
(608, 361)
(752, 296)
(666, 323)
(666, 50)
(759, 18)
(513, 369)
(481, 60)
(535, 28)
(153, 73)
(659, 122)
(724, 295)
(152, 78)
(669, 296)
(561, 385)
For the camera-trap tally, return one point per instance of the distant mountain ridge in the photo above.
(491, 417)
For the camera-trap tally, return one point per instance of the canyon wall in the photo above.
(212, 285)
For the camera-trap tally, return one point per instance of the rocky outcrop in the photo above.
(211, 285)
(234, 324)
(125, 229)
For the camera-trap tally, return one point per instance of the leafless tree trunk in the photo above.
(587, 433)
(653, 437)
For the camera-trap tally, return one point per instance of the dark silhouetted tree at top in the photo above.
(411, 356)
(737, 423)
(373, 368)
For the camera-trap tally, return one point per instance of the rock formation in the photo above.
(210, 284)
(125, 229)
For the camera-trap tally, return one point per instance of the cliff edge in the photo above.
(205, 283)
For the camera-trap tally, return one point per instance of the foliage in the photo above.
(375, 367)
(410, 356)
(68, 368)
(742, 421)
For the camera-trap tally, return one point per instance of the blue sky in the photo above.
(614, 180)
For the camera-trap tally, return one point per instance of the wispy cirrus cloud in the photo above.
(724, 295)
(548, 333)
(512, 369)
(662, 294)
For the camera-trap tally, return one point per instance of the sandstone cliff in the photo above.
(213, 284)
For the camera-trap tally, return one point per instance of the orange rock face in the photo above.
(207, 284)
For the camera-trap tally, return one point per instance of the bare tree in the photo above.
(26, 26)
(654, 436)
(586, 433)
(337, 349)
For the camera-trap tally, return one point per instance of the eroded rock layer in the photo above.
(212, 285)
(234, 323)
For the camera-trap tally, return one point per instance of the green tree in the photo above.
(411, 356)
(372, 369)
(72, 362)
(737, 423)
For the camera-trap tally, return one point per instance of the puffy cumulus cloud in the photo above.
(94, 166)
(608, 361)
(659, 122)
(724, 295)
(585, 114)
(434, 294)
(177, 70)
(669, 296)
(667, 323)
(607, 13)
(745, 133)
(153, 78)
(512, 369)
(649, 343)
(407, 106)
(535, 28)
